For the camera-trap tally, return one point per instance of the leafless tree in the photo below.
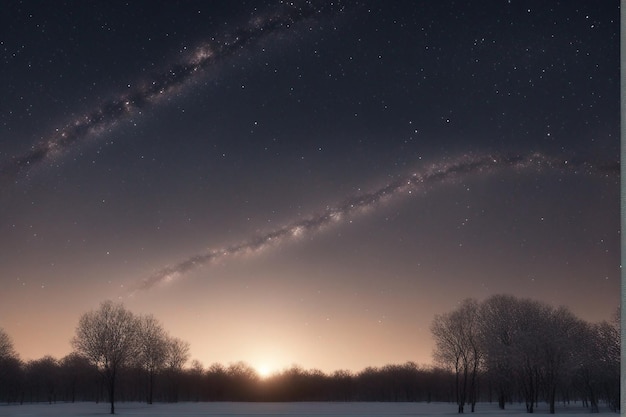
(79, 377)
(177, 353)
(177, 356)
(588, 375)
(6, 346)
(560, 333)
(529, 339)
(196, 374)
(458, 347)
(107, 337)
(342, 383)
(498, 323)
(10, 369)
(607, 360)
(43, 376)
(515, 334)
(242, 381)
(153, 349)
(531, 343)
(216, 382)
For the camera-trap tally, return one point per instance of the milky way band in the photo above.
(439, 173)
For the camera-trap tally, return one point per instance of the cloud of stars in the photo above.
(432, 175)
(164, 84)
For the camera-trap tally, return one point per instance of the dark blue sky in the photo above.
(301, 107)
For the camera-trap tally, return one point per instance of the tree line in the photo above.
(526, 350)
(503, 349)
(111, 345)
(122, 357)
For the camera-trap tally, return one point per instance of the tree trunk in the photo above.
(474, 386)
(457, 383)
(552, 399)
(112, 392)
(462, 392)
(150, 386)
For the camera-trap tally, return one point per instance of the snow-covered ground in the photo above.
(278, 409)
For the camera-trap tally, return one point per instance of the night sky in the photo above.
(304, 182)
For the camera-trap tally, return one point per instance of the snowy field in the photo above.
(279, 409)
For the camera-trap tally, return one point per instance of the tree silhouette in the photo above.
(458, 347)
(153, 349)
(10, 369)
(108, 339)
(6, 346)
(526, 350)
(177, 354)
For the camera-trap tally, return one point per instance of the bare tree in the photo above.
(560, 332)
(216, 382)
(342, 383)
(153, 349)
(6, 346)
(517, 338)
(588, 375)
(242, 381)
(458, 347)
(608, 360)
(498, 323)
(10, 369)
(196, 375)
(534, 345)
(108, 339)
(177, 353)
(43, 376)
(528, 343)
(79, 377)
(177, 356)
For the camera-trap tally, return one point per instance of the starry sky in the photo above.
(304, 182)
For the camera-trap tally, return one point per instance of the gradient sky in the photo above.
(136, 137)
